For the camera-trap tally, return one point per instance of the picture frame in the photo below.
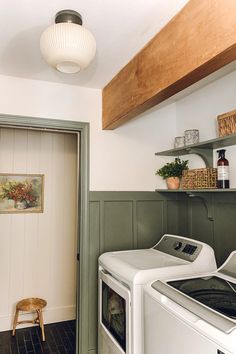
(21, 193)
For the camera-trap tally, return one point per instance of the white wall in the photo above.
(38, 251)
(199, 110)
(122, 159)
(125, 158)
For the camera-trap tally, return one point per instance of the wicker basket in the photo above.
(227, 123)
(201, 178)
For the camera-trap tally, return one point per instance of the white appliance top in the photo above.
(211, 296)
(172, 255)
(147, 259)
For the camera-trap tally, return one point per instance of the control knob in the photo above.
(177, 245)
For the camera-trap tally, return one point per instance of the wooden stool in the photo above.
(30, 305)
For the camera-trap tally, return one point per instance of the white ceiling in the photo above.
(121, 29)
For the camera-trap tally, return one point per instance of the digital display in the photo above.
(189, 249)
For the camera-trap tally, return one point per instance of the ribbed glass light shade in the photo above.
(68, 47)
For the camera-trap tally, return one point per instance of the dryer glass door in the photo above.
(114, 310)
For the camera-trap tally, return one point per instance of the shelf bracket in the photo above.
(207, 201)
(205, 154)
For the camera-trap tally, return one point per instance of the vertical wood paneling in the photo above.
(219, 232)
(18, 224)
(183, 216)
(172, 217)
(94, 241)
(38, 251)
(16, 289)
(70, 202)
(5, 263)
(33, 152)
(6, 164)
(150, 222)
(225, 229)
(7, 138)
(201, 226)
(57, 215)
(45, 244)
(118, 225)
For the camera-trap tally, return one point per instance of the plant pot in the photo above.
(173, 182)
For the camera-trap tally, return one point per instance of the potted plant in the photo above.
(172, 172)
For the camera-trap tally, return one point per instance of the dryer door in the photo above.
(114, 315)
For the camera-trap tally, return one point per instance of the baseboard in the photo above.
(50, 315)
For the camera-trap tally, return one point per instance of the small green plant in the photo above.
(173, 169)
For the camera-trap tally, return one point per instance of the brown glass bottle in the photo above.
(222, 170)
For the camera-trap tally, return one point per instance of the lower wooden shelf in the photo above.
(204, 194)
(215, 190)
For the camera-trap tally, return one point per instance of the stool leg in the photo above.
(15, 322)
(40, 314)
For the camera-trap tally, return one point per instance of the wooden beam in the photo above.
(199, 40)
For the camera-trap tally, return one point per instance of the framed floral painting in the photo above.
(21, 193)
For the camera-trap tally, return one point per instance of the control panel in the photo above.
(179, 247)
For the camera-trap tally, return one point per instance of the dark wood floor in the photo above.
(60, 339)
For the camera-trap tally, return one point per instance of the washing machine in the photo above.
(122, 276)
(194, 314)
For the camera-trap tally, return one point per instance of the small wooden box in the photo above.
(200, 178)
(227, 123)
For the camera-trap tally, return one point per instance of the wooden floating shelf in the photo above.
(208, 144)
(203, 149)
(196, 190)
(203, 194)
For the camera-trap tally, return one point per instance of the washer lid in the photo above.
(213, 317)
(214, 292)
(229, 267)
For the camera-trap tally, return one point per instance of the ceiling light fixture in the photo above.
(67, 45)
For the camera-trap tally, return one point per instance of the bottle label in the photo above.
(223, 173)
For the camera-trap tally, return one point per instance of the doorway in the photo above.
(82, 129)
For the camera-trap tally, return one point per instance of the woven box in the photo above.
(201, 178)
(227, 123)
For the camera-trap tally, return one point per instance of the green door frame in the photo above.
(11, 121)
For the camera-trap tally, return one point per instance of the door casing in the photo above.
(81, 128)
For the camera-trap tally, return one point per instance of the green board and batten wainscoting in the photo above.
(127, 220)
(220, 232)
(124, 220)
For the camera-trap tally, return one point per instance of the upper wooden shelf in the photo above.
(204, 148)
(208, 144)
